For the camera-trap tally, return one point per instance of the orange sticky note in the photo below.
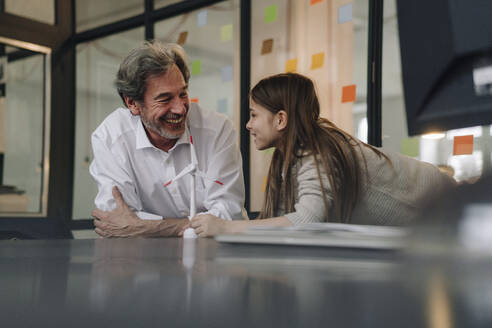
(317, 60)
(182, 38)
(291, 65)
(463, 145)
(267, 46)
(312, 2)
(194, 100)
(348, 93)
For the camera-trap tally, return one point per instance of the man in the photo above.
(139, 149)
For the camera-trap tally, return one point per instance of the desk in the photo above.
(169, 283)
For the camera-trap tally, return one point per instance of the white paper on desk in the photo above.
(366, 230)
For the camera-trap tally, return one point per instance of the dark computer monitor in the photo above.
(446, 53)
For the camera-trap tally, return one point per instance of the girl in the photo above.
(319, 173)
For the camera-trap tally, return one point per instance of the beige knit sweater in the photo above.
(392, 195)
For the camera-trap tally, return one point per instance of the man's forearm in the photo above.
(170, 227)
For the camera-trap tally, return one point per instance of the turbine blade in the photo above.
(194, 160)
(187, 170)
(201, 174)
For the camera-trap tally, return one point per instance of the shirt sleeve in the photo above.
(225, 199)
(310, 206)
(108, 170)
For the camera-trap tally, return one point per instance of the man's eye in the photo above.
(164, 101)
(184, 95)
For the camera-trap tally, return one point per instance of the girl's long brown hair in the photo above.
(334, 151)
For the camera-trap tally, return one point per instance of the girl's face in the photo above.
(263, 126)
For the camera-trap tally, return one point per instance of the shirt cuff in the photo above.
(148, 216)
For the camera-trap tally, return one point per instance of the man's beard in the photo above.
(159, 129)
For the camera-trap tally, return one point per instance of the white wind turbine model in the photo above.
(192, 169)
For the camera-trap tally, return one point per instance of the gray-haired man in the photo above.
(138, 149)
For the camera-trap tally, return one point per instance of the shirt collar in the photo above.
(142, 140)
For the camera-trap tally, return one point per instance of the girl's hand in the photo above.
(207, 225)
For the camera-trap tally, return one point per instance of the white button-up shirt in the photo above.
(125, 157)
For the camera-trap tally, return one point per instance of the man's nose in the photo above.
(248, 125)
(180, 106)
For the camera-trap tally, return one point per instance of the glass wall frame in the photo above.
(38, 208)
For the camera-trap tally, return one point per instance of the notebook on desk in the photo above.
(323, 234)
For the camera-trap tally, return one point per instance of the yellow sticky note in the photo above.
(263, 188)
(410, 147)
(317, 60)
(270, 150)
(463, 145)
(226, 33)
(291, 65)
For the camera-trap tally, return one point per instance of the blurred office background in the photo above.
(58, 60)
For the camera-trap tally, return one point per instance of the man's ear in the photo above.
(281, 120)
(132, 105)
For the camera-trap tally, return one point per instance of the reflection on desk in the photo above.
(165, 282)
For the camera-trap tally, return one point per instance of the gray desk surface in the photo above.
(170, 283)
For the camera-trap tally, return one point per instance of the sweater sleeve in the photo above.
(310, 206)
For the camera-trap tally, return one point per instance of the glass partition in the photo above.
(94, 13)
(324, 40)
(24, 131)
(39, 10)
(163, 3)
(210, 37)
(97, 62)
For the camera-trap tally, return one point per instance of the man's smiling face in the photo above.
(165, 105)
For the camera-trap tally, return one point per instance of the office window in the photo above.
(210, 37)
(94, 13)
(462, 153)
(163, 3)
(96, 97)
(24, 132)
(39, 10)
(325, 40)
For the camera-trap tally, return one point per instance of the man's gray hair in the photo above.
(150, 59)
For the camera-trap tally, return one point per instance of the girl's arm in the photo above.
(208, 225)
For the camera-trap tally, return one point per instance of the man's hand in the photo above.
(207, 225)
(121, 222)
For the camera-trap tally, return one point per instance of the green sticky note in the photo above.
(196, 67)
(271, 14)
(410, 147)
(270, 150)
(226, 33)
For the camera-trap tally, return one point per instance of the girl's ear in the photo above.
(281, 120)
(132, 105)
